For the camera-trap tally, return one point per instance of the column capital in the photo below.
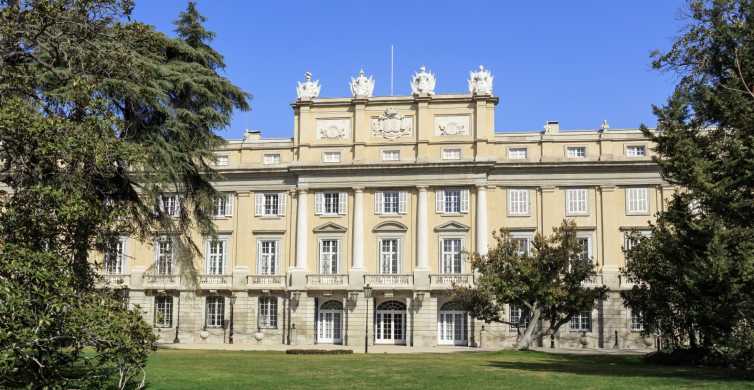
(302, 190)
(358, 189)
(422, 188)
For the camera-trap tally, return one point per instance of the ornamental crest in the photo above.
(423, 82)
(392, 125)
(362, 86)
(309, 89)
(480, 82)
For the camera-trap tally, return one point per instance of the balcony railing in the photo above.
(266, 282)
(450, 280)
(327, 281)
(595, 281)
(215, 281)
(391, 281)
(116, 280)
(161, 281)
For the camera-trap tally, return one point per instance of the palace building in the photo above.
(360, 222)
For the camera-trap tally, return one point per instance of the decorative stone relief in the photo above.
(392, 125)
(423, 82)
(333, 128)
(362, 86)
(309, 89)
(452, 125)
(480, 82)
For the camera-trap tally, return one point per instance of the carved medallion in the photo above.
(452, 125)
(392, 125)
(333, 128)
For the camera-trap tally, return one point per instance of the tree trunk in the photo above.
(524, 341)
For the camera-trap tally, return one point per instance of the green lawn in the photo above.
(191, 369)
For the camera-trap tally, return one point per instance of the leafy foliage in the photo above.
(549, 283)
(99, 116)
(694, 275)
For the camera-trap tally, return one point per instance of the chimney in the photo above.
(552, 127)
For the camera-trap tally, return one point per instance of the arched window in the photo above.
(329, 323)
(331, 305)
(391, 305)
(390, 323)
(452, 324)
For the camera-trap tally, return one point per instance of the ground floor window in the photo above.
(390, 323)
(637, 324)
(518, 315)
(582, 322)
(215, 311)
(452, 325)
(268, 312)
(163, 311)
(329, 323)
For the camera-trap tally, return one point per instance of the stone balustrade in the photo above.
(446, 281)
(390, 281)
(266, 282)
(327, 281)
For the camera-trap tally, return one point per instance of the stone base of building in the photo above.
(343, 318)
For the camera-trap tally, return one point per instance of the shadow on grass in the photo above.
(619, 366)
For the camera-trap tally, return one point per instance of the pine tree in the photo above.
(695, 273)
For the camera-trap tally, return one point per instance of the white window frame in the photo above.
(334, 256)
(632, 205)
(395, 264)
(321, 203)
(515, 153)
(267, 312)
(170, 204)
(577, 201)
(165, 308)
(636, 151)
(114, 261)
(399, 202)
(523, 235)
(222, 160)
(451, 153)
(264, 204)
(515, 313)
(460, 257)
(628, 243)
(442, 203)
(391, 155)
(215, 263)
(576, 152)
(635, 321)
(331, 157)
(268, 261)
(271, 159)
(222, 206)
(589, 236)
(518, 202)
(581, 322)
(214, 317)
(164, 260)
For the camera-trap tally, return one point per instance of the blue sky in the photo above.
(577, 62)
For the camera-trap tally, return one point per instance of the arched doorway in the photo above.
(390, 323)
(452, 325)
(329, 326)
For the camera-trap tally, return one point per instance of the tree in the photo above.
(99, 116)
(549, 283)
(694, 274)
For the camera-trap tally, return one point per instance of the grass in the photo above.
(193, 369)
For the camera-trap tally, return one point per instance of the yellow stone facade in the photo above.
(410, 150)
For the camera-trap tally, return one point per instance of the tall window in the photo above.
(636, 151)
(585, 246)
(518, 202)
(163, 311)
(522, 243)
(170, 205)
(164, 256)
(451, 256)
(582, 322)
(452, 201)
(391, 155)
(576, 151)
(330, 203)
(637, 323)
(115, 258)
(518, 315)
(576, 201)
(389, 256)
(223, 205)
(268, 312)
(216, 256)
(517, 153)
(268, 254)
(391, 202)
(215, 311)
(637, 200)
(270, 204)
(328, 256)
